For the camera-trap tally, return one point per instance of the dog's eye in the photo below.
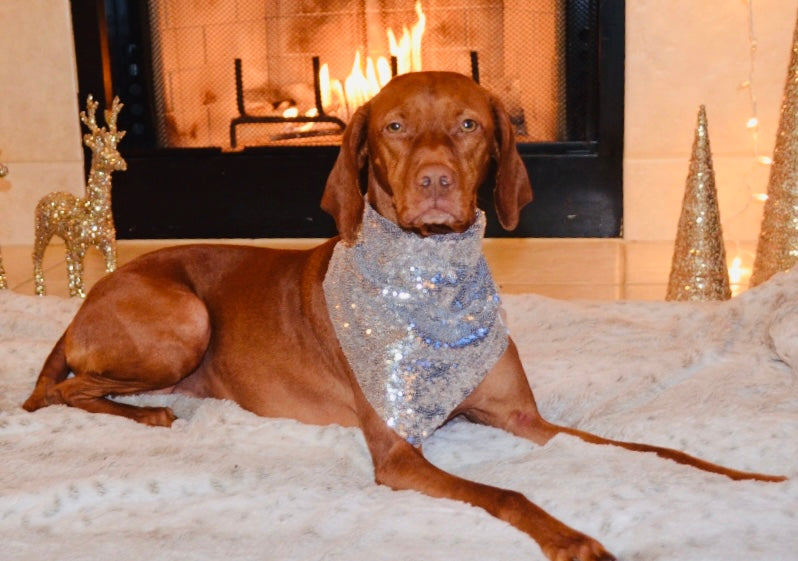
(395, 126)
(468, 125)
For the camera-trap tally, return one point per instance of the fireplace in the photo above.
(235, 108)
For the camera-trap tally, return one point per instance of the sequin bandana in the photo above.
(417, 318)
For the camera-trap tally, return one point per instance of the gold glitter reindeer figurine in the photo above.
(83, 222)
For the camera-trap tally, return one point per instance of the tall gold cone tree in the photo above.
(698, 269)
(777, 249)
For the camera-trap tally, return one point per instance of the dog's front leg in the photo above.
(504, 400)
(400, 466)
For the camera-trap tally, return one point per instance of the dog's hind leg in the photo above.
(54, 371)
(88, 391)
(53, 388)
(132, 335)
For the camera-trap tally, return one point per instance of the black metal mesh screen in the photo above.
(514, 47)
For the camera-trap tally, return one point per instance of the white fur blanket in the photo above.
(715, 380)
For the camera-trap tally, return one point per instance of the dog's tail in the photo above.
(55, 370)
(674, 455)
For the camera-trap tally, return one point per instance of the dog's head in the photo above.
(428, 139)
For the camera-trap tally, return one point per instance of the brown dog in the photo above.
(256, 325)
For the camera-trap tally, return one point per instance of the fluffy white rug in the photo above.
(715, 380)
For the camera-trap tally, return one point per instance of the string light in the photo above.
(753, 121)
(739, 274)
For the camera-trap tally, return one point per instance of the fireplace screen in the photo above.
(289, 72)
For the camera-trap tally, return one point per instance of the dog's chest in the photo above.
(417, 318)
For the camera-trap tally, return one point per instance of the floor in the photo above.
(570, 269)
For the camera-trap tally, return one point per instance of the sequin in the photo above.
(777, 248)
(83, 222)
(417, 318)
(698, 269)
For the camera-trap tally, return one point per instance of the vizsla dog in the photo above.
(331, 334)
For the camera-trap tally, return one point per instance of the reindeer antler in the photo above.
(111, 114)
(89, 117)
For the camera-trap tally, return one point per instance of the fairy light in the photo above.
(738, 274)
(752, 123)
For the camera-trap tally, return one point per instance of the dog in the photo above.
(393, 327)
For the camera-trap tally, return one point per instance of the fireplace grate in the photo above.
(319, 115)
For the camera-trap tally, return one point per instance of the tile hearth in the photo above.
(569, 269)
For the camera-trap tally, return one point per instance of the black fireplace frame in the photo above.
(269, 192)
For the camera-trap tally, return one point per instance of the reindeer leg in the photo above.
(40, 244)
(3, 283)
(75, 254)
(108, 249)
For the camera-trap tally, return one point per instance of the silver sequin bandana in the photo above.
(417, 318)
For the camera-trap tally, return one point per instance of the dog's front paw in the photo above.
(576, 546)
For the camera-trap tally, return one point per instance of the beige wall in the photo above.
(680, 54)
(40, 140)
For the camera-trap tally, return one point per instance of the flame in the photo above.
(407, 50)
(293, 111)
(360, 86)
(332, 92)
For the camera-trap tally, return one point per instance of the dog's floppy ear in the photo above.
(342, 196)
(513, 190)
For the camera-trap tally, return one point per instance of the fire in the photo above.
(408, 49)
(360, 86)
(293, 111)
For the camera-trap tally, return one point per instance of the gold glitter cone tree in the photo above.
(698, 269)
(777, 249)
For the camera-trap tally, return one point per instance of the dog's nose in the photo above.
(435, 176)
